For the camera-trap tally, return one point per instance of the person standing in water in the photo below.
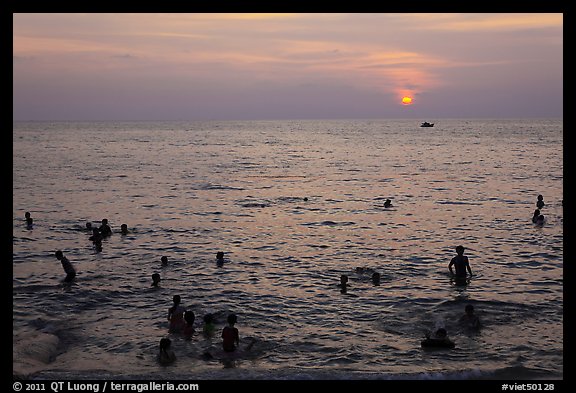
(68, 268)
(176, 315)
(105, 229)
(29, 220)
(540, 202)
(461, 265)
(230, 336)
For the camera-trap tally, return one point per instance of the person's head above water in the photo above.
(343, 278)
(124, 228)
(469, 309)
(375, 277)
(104, 221)
(189, 317)
(540, 197)
(176, 299)
(59, 254)
(155, 279)
(164, 260)
(27, 214)
(220, 255)
(88, 225)
(459, 250)
(165, 344)
(232, 319)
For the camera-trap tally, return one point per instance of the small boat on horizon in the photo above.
(426, 124)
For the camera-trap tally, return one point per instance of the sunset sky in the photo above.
(286, 66)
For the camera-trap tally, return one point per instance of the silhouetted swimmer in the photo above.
(230, 336)
(89, 226)
(96, 239)
(189, 318)
(176, 315)
(220, 258)
(105, 229)
(540, 220)
(535, 216)
(388, 203)
(166, 355)
(305, 199)
(155, 279)
(469, 319)
(344, 286)
(461, 264)
(124, 229)
(540, 202)
(376, 278)
(209, 326)
(343, 282)
(164, 260)
(439, 340)
(68, 268)
(29, 220)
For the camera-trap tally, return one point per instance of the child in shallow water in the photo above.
(176, 315)
(469, 319)
(189, 324)
(166, 355)
(230, 337)
(438, 340)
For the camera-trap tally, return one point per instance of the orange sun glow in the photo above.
(406, 100)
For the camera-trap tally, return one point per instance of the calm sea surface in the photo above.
(293, 204)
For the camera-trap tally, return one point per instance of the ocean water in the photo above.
(293, 204)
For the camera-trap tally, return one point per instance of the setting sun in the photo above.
(406, 100)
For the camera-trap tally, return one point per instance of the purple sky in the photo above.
(286, 66)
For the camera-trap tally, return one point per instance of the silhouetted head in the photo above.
(27, 214)
(536, 212)
(232, 319)
(441, 333)
(88, 225)
(165, 344)
(460, 250)
(189, 317)
(343, 278)
(208, 318)
(220, 255)
(540, 197)
(305, 199)
(104, 221)
(164, 260)
(176, 299)
(155, 279)
(124, 228)
(469, 309)
(375, 277)
(59, 254)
